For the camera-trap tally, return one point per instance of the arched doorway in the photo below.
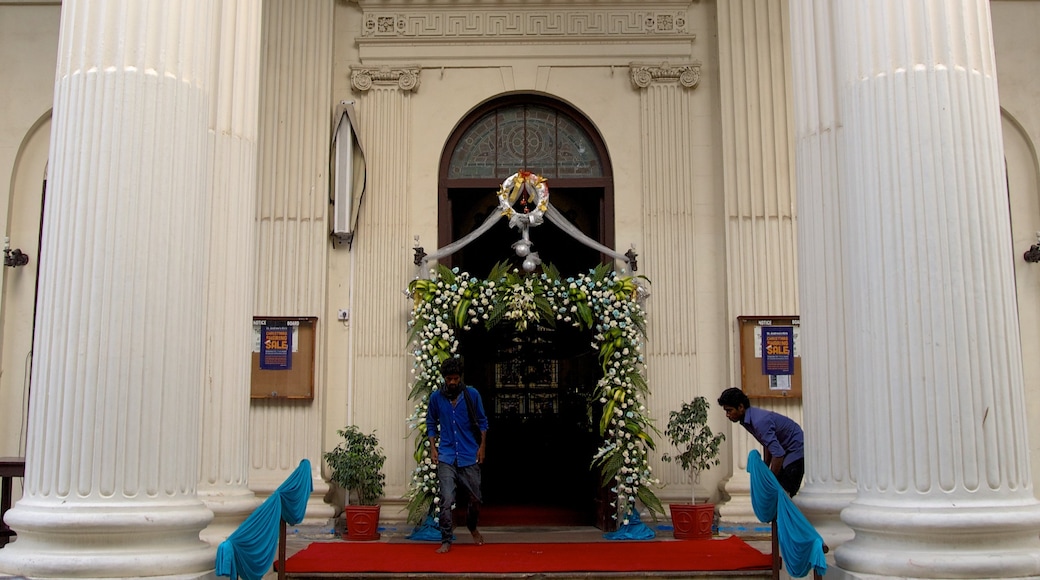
(536, 384)
(1023, 183)
(19, 288)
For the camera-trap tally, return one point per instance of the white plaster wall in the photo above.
(28, 53)
(1017, 46)
(338, 335)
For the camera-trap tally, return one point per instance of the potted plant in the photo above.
(357, 467)
(688, 431)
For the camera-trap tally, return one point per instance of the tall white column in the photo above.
(940, 454)
(231, 271)
(757, 170)
(829, 486)
(112, 455)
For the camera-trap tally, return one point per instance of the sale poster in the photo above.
(777, 350)
(275, 346)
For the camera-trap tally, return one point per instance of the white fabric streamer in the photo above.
(552, 214)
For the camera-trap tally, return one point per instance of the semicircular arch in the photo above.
(537, 133)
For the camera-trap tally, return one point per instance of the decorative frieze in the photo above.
(508, 24)
(364, 78)
(687, 75)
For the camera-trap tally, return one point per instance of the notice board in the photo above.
(283, 357)
(770, 362)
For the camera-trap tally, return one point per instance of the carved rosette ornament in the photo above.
(687, 75)
(405, 78)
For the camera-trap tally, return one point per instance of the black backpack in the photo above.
(472, 415)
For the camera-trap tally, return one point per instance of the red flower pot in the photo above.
(692, 521)
(362, 522)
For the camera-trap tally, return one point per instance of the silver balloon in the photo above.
(529, 265)
(522, 248)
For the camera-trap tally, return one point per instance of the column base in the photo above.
(108, 539)
(230, 507)
(318, 512)
(822, 504)
(972, 540)
(738, 507)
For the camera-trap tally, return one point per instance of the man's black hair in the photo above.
(451, 366)
(734, 397)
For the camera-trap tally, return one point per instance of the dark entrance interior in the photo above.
(536, 387)
(536, 384)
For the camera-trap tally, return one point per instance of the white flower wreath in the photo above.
(537, 192)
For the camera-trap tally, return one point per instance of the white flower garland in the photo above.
(602, 301)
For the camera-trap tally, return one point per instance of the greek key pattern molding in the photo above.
(504, 24)
(405, 78)
(687, 75)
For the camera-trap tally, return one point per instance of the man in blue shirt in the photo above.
(456, 416)
(781, 437)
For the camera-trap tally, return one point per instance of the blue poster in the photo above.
(777, 350)
(276, 346)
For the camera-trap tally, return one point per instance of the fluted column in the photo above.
(757, 170)
(293, 229)
(829, 485)
(231, 272)
(678, 220)
(112, 457)
(378, 377)
(943, 479)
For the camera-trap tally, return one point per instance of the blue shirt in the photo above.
(458, 444)
(780, 435)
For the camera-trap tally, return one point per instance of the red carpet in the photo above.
(648, 556)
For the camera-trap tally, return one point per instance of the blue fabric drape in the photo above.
(427, 531)
(801, 546)
(249, 551)
(635, 529)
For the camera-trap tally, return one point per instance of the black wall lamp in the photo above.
(631, 255)
(14, 258)
(1032, 255)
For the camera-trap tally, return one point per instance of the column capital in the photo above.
(406, 78)
(687, 75)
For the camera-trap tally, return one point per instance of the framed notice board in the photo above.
(283, 357)
(770, 362)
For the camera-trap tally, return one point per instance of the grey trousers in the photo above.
(451, 478)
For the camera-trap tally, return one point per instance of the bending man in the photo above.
(780, 436)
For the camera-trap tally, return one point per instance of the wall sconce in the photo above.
(631, 255)
(14, 258)
(1032, 255)
(420, 254)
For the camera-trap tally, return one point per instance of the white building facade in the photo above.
(848, 162)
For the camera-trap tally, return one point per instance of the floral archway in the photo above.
(451, 302)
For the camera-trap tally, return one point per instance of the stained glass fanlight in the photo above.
(537, 138)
